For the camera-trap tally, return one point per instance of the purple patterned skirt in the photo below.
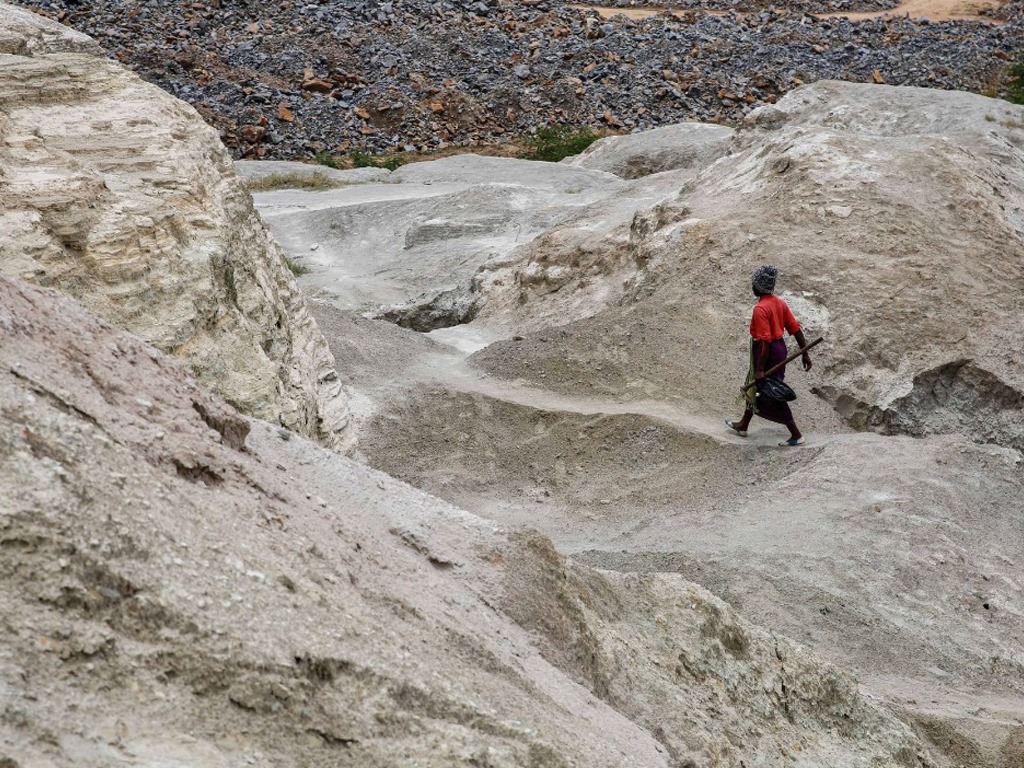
(773, 410)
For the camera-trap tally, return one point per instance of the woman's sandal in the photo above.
(792, 442)
(741, 432)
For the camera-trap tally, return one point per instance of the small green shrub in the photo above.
(360, 159)
(553, 143)
(326, 158)
(315, 181)
(366, 160)
(296, 267)
(1015, 80)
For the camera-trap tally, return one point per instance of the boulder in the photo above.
(685, 145)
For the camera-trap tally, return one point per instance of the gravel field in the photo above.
(293, 80)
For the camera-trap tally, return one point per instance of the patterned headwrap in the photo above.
(763, 278)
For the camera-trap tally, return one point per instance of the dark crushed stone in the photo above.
(426, 74)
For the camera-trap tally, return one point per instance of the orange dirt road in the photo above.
(933, 10)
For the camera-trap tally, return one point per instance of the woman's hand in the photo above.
(805, 358)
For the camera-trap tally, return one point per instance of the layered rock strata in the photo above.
(121, 196)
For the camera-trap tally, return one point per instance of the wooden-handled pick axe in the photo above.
(789, 359)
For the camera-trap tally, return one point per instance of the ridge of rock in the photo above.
(892, 214)
(121, 196)
(685, 145)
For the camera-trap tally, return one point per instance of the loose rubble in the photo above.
(294, 80)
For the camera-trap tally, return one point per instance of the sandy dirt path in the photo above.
(395, 361)
(452, 372)
(933, 10)
(795, 539)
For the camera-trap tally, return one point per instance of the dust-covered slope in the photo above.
(411, 245)
(897, 556)
(180, 583)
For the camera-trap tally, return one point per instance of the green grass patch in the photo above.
(297, 268)
(366, 160)
(1014, 82)
(359, 159)
(326, 158)
(553, 143)
(295, 180)
(550, 143)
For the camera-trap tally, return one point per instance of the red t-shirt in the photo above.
(771, 316)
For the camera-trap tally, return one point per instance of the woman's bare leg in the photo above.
(743, 423)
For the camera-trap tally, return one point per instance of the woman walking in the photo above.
(770, 318)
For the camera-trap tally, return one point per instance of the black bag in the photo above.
(775, 389)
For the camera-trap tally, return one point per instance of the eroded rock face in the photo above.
(899, 219)
(953, 397)
(119, 195)
(413, 244)
(23, 34)
(285, 605)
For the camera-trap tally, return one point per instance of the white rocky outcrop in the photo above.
(411, 245)
(121, 196)
(898, 213)
(895, 217)
(434, 243)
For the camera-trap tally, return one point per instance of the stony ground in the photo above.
(292, 79)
